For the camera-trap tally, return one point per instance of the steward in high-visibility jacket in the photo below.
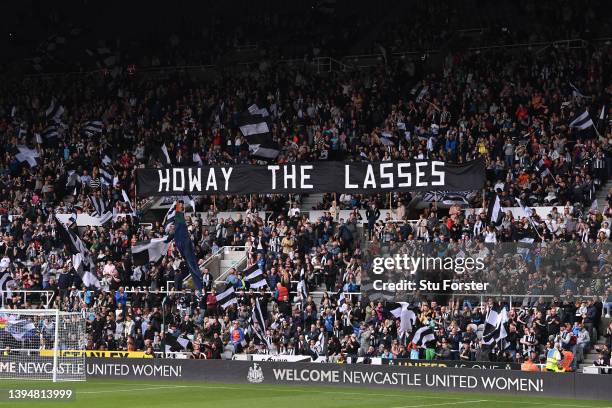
(553, 359)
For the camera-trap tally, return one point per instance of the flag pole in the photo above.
(135, 197)
(335, 209)
(483, 198)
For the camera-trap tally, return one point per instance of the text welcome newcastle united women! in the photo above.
(358, 177)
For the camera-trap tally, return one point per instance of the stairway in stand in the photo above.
(310, 201)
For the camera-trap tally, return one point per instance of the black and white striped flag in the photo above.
(164, 152)
(529, 213)
(50, 132)
(302, 287)
(407, 316)
(92, 127)
(495, 212)
(258, 317)
(81, 257)
(255, 127)
(6, 283)
(144, 252)
(575, 91)
(169, 217)
(422, 336)
(342, 302)
(99, 205)
(255, 277)
(255, 110)
(602, 122)
(227, 297)
(126, 199)
(101, 209)
(419, 91)
(25, 154)
(107, 173)
(54, 111)
(582, 121)
(495, 325)
(197, 159)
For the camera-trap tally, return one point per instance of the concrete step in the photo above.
(228, 263)
(233, 255)
(601, 195)
(311, 201)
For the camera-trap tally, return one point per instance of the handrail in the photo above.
(48, 294)
(225, 273)
(175, 68)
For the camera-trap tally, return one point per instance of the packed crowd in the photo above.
(511, 108)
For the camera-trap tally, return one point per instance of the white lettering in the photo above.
(401, 174)
(369, 178)
(436, 173)
(195, 181)
(420, 174)
(305, 176)
(163, 181)
(385, 175)
(176, 172)
(274, 169)
(347, 183)
(212, 179)
(290, 176)
(226, 175)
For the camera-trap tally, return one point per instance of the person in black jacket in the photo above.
(372, 214)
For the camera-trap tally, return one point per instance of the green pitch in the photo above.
(182, 394)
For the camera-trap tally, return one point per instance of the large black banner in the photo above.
(319, 177)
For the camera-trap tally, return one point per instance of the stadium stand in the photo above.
(71, 143)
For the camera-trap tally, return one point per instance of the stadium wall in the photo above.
(568, 385)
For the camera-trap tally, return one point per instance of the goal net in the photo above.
(42, 345)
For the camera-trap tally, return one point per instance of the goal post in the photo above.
(42, 344)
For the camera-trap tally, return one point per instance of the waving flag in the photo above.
(258, 317)
(28, 155)
(186, 248)
(402, 311)
(81, 257)
(153, 250)
(227, 297)
(255, 277)
(582, 121)
(18, 328)
(92, 127)
(302, 287)
(423, 336)
(495, 329)
(495, 212)
(255, 127)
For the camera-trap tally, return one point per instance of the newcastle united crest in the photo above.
(255, 374)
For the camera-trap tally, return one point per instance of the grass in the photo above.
(97, 393)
